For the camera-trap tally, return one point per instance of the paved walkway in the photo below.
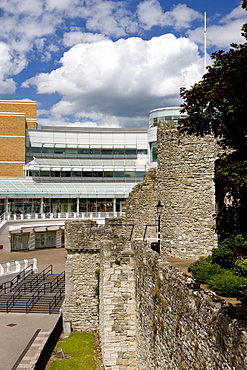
(24, 335)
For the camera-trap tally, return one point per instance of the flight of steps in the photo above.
(37, 287)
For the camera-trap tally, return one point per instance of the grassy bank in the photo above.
(79, 353)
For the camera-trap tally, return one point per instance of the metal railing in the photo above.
(27, 287)
(60, 215)
(55, 283)
(34, 299)
(9, 285)
(56, 299)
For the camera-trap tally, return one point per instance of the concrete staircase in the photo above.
(35, 293)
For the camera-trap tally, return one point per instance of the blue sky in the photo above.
(108, 63)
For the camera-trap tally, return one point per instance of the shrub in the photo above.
(226, 283)
(240, 267)
(223, 256)
(237, 243)
(204, 270)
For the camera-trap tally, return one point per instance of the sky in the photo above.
(108, 63)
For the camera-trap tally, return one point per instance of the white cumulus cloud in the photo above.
(150, 13)
(119, 78)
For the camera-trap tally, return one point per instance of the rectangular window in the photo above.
(76, 173)
(55, 173)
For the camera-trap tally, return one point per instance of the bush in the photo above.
(240, 267)
(237, 243)
(223, 256)
(226, 283)
(204, 270)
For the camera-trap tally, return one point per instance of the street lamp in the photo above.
(159, 207)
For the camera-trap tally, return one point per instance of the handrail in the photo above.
(54, 283)
(57, 298)
(62, 215)
(32, 300)
(16, 280)
(17, 294)
(12, 301)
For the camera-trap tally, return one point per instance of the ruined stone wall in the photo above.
(117, 305)
(179, 327)
(140, 206)
(80, 307)
(100, 288)
(185, 186)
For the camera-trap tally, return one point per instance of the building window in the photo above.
(153, 151)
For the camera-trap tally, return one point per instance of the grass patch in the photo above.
(80, 348)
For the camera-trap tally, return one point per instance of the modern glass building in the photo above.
(50, 174)
(156, 116)
(53, 173)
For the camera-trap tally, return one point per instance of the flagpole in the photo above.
(205, 41)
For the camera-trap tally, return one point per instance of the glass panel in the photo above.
(118, 173)
(71, 151)
(35, 150)
(65, 173)
(92, 205)
(130, 151)
(55, 173)
(45, 173)
(109, 206)
(153, 151)
(83, 206)
(87, 174)
(118, 151)
(108, 173)
(34, 173)
(76, 173)
(19, 241)
(83, 151)
(59, 150)
(129, 174)
(95, 151)
(47, 150)
(106, 151)
(101, 206)
(45, 240)
(97, 174)
(142, 151)
(140, 174)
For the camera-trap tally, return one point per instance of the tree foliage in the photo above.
(218, 103)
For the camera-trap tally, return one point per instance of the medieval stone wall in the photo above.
(185, 186)
(80, 307)
(100, 288)
(140, 206)
(117, 305)
(179, 327)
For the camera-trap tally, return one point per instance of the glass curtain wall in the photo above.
(64, 205)
(19, 241)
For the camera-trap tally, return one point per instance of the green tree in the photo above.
(218, 105)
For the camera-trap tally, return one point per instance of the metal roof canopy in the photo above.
(31, 189)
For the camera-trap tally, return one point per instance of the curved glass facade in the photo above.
(164, 114)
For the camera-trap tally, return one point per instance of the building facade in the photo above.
(53, 173)
(50, 174)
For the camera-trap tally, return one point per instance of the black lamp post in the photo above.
(159, 207)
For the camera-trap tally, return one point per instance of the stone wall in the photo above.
(180, 327)
(185, 186)
(117, 304)
(140, 206)
(100, 265)
(80, 307)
